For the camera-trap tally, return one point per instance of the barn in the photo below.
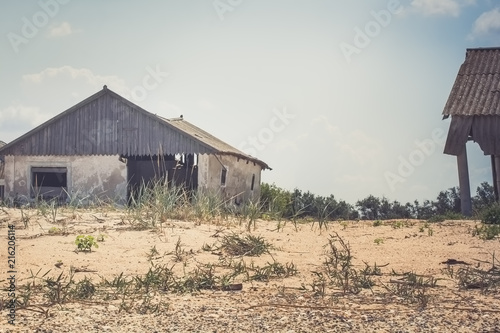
(474, 107)
(106, 147)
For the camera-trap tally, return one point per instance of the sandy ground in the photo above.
(279, 305)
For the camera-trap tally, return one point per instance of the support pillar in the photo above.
(464, 184)
(496, 173)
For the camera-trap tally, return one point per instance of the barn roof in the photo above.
(108, 124)
(474, 103)
(476, 90)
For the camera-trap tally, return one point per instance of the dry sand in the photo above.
(279, 305)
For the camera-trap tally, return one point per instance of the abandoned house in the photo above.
(474, 107)
(107, 147)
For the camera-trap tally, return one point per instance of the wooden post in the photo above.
(496, 173)
(463, 180)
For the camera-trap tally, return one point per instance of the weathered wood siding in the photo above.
(485, 130)
(105, 124)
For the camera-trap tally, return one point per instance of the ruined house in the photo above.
(107, 147)
(474, 107)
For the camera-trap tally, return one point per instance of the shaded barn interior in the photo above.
(178, 170)
(474, 107)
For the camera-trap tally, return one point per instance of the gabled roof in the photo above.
(476, 90)
(108, 124)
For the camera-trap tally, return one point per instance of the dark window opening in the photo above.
(2, 192)
(49, 177)
(223, 176)
(253, 182)
(49, 182)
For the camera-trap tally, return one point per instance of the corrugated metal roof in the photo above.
(476, 90)
(220, 146)
(108, 124)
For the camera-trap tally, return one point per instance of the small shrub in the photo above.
(85, 243)
(253, 246)
(397, 225)
(378, 241)
(486, 232)
(55, 231)
(491, 215)
(101, 237)
(377, 223)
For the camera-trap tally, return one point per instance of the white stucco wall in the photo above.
(87, 176)
(238, 177)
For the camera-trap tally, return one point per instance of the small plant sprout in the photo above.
(101, 237)
(85, 243)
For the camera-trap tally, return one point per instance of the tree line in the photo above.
(279, 202)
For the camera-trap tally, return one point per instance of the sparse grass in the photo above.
(486, 231)
(378, 241)
(251, 212)
(467, 277)
(253, 246)
(272, 270)
(339, 268)
(412, 288)
(437, 218)
(401, 224)
(179, 254)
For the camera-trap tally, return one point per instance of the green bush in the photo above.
(491, 215)
(85, 243)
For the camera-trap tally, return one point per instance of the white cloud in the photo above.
(69, 76)
(487, 23)
(21, 114)
(440, 7)
(17, 119)
(62, 30)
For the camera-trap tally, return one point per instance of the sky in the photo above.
(338, 97)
